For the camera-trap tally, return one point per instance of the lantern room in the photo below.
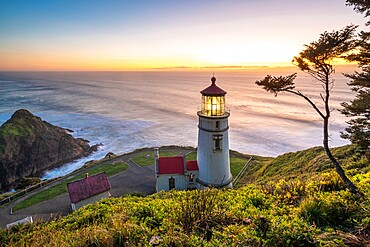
(213, 100)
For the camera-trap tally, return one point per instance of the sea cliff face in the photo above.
(29, 146)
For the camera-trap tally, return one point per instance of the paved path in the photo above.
(134, 179)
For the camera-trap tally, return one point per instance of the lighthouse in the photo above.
(213, 139)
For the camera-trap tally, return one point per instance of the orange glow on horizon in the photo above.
(50, 62)
(223, 60)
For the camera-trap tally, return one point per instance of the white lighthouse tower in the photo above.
(213, 139)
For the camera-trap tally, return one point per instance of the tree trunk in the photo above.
(338, 168)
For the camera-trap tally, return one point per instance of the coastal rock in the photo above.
(29, 146)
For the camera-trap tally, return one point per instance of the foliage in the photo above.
(199, 210)
(361, 6)
(278, 84)
(359, 108)
(334, 209)
(317, 58)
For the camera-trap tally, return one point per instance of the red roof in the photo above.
(192, 165)
(171, 165)
(213, 90)
(88, 187)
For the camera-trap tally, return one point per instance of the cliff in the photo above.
(29, 146)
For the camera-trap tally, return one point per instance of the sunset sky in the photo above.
(141, 35)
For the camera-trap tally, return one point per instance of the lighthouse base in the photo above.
(201, 184)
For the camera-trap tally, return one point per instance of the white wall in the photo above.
(163, 184)
(90, 200)
(214, 165)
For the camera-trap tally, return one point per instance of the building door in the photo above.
(171, 183)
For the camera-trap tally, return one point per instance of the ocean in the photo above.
(129, 110)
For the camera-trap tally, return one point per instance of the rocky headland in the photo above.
(29, 146)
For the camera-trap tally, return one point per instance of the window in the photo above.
(217, 144)
(217, 124)
(171, 183)
(217, 139)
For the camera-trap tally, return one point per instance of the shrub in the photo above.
(325, 182)
(200, 209)
(289, 230)
(336, 209)
(290, 192)
(237, 235)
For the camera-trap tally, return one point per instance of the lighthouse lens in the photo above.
(213, 105)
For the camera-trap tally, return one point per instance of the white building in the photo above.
(175, 173)
(88, 190)
(212, 168)
(213, 139)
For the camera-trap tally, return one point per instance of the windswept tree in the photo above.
(317, 60)
(358, 131)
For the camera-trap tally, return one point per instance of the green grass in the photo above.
(192, 155)
(13, 130)
(304, 164)
(61, 188)
(236, 164)
(43, 196)
(109, 168)
(147, 158)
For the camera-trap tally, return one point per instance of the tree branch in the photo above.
(308, 100)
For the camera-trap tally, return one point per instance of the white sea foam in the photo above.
(70, 167)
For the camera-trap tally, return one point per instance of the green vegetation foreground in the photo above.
(314, 210)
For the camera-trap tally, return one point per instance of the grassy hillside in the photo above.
(304, 164)
(296, 200)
